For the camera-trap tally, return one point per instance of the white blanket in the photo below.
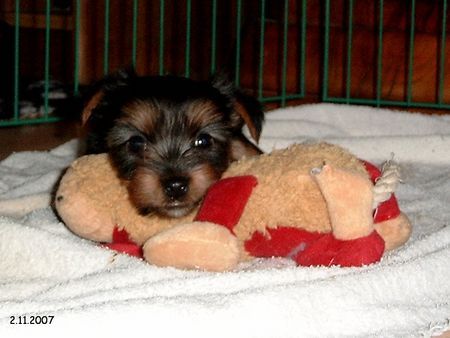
(45, 270)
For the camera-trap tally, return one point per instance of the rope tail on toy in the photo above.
(387, 183)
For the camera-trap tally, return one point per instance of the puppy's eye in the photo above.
(203, 141)
(136, 144)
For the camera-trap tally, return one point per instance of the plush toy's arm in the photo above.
(197, 245)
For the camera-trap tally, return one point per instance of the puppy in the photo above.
(170, 137)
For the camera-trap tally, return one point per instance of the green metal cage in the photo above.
(283, 51)
(417, 44)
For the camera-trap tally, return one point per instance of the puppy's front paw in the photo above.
(198, 245)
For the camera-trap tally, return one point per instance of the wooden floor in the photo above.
(36, 137)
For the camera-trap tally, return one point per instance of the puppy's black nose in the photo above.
(176, 187)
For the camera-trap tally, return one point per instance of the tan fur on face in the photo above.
(202, 113)
(201, 179)
(141, 114)
(144, 187)
(146, 191)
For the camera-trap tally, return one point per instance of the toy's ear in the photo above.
(97, 91)
(246, 110)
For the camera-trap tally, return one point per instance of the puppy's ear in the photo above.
(97, 92)
(249, 111)
(245, 108)
(93, 102)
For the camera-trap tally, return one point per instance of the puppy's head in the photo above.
(171, 137)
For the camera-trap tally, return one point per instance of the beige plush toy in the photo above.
(314, 203)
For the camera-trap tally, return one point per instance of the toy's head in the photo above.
(171, 137)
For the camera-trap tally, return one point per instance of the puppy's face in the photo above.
(171, 152)
(171, 138)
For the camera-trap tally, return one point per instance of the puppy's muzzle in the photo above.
(176, 187)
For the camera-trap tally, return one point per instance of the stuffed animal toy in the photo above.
(314, 203)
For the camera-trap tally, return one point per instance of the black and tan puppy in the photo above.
(171, 137)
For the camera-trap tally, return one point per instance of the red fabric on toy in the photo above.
(372, 170)
(387, 210)
(280, 242)
(329, 251)
(226, 200)
(315, 249)
(122, 243)
(120, 236)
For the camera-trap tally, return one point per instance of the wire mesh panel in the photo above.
(260, 44)
(28, 92)
(379, 52)
(391, 53)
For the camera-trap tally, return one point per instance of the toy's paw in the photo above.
(197, 245)
(395, 231)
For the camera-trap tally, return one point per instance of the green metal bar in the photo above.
(348, 82)
(262, 30)
(161, 37)
(411, 51)
(134, 33)
(285, 52)
(279, 97)
(380, 54)
(106, 37)
(442, 56)
(388, 103)
(238, 42)
(20, 122)
(16, 59)
(76, 70)
(303, 49)
(47, 58)
(187, 56)
(213, 35)
(326, 50)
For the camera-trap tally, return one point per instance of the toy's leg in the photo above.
(395, 231)
(353, 240)
(349, 200)
(196, 245)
